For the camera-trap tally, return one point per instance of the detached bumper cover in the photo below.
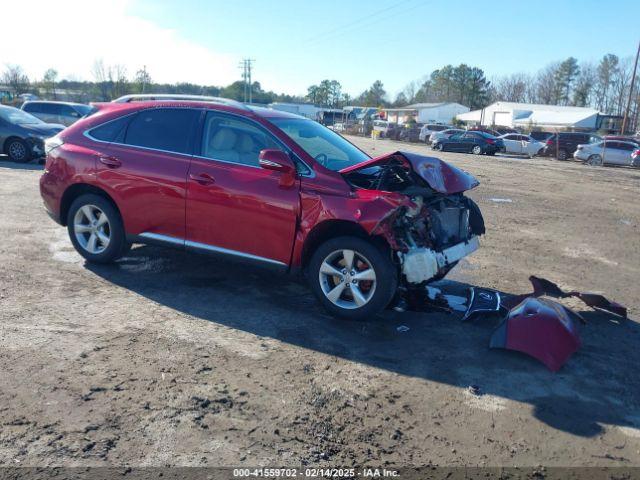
(541, 328)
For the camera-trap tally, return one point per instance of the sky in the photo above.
(297, 43)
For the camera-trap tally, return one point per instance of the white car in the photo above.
(428, 129)
(609, 152)
(521, 144)
(435, 136)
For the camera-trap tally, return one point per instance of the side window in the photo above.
(32, 108)
(232, 139)
(168, 129)
(52, 108)
(627, 146)
(112, 131)
(511, 137)
(67, 111)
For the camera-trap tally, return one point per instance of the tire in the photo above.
(562, 155)
(86, 212)
(18, 150)
(326, 269)
(476, 150)
(438, 147)
(594, 160)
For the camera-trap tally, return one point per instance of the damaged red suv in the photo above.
(216, 176)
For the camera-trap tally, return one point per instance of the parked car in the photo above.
(475, 142)
(563, 145)
(540, 136)
(607, 152)
(635, 157)
(622, 138)
(410, 132)
(505, 130)
(22, 135)
(63, 113)
(521, 144)
(488, 130)
(262, 186)
(381, 126)
(427, 129)
(435, 136)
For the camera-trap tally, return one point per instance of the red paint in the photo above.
(267, 212)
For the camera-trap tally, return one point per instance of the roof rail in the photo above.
(149, 97)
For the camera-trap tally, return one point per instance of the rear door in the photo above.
(145, 171)
(618, 153)
(512, 143)
(234, 206)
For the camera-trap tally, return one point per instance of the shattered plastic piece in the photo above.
(481, 300)
(402, 328)
(544, 287)
(541, 328)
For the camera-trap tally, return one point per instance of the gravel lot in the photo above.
(170, 359)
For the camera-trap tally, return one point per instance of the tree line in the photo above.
(604, 85)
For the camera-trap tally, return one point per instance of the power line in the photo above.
(355, 22)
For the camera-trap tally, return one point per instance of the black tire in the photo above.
(386, 277)
(438, 147)
(562, 155)
(117, 246)
(594, 160)
(18, 150)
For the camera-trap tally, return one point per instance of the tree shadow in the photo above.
(598, 386)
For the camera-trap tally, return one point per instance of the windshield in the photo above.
(84, 110)
(327, 147)
(18, 117)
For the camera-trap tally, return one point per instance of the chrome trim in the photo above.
(162, 238)
(167, 97)
(226, 161)
(235, 253)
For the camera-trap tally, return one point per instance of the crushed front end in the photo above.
(437, 225)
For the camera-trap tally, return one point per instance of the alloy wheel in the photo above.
(594, 160)
(347, 279)
(17, 151)
(92, 229)
(477, 150)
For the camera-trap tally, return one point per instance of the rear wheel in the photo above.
(594, 160)
(438, 147)
(96, 229)
(476, 150)
(18, 150)
(352, 278)
(562, 154)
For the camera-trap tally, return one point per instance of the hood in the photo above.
(441, 176)
(43, 128)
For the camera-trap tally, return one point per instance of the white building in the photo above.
(305, 109)
(443, 112)
(529, 115)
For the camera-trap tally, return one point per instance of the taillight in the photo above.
(549, 142)
(491, 141)
(636, 153)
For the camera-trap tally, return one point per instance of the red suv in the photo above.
(264, 186)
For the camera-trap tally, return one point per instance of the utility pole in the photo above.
(245, 65)
(633, 81)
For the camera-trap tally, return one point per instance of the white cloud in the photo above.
(70, 35)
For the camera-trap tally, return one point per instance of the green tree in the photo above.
(565, 76)
(49, 81)
(374, 96)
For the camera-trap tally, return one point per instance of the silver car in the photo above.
(609, 152)
(435, 136)
(428, 129)
(64, 113)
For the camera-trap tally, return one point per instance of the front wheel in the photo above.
(594, 160)
(438, 147)
(96, 229)
(18, 151)
(562, 155)
(352, 278)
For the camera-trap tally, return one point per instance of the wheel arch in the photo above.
(5, 145)
(78, 189)
(335, 228)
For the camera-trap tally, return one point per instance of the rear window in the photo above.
(165, 129)
(112, 131)
(32, 107)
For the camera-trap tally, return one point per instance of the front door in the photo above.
(233, 205)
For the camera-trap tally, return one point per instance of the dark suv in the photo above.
(564, 144)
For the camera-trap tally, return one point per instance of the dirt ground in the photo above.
(171, 359)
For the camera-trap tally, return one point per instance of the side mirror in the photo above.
(272, 159)
(278, 161)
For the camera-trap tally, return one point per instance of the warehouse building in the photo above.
(443, 113)
(532, 116)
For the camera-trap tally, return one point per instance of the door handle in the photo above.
(202, 178)
(111, 162)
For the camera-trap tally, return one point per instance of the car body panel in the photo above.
(33, 133)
